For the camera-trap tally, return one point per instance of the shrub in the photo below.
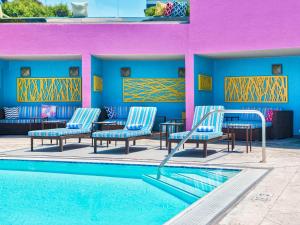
(33, 8)
(59, 10)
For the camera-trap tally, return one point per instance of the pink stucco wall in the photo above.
(216, 26)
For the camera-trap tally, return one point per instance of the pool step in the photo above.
(201, 184)
(226, 173)
(179, 189)
(213, 181)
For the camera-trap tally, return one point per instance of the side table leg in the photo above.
(160, 138)
(247, 139)
(250, 139)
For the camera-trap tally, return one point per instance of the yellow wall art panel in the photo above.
(153, 89)
(204, 83)
(98, 84)
(49, 89)
(263, 89)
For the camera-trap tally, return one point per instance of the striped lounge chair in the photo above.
(83, 116)
(213, 121)
(138, 116)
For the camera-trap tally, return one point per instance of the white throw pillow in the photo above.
(1, 13)
(80, 9)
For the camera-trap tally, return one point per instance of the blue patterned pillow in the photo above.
(134, 126)
(179, 9)
(205, 129)
(111, 113)
(74, 125)
(11, 112)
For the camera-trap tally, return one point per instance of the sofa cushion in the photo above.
(168, 9)
(80, 9)
(65, 112)
(28, 112)
(179, 9)
(111, 112)
(269, 116)
(2, 114)
(160, 9)
(11, 121)
(241, 123)
(11, 112)
(48, 111)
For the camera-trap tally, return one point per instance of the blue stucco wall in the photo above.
(204, 66)
(3, 70)
(38, 69)
(112, 82)
(260, 66)
(96, 69)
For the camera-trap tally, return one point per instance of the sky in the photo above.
(109, 8)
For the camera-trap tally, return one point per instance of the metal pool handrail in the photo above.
(229, 111)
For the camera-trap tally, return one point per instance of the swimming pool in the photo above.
(45, 192)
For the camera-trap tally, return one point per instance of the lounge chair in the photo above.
(138, 125)
(82, 117)
(213, 122)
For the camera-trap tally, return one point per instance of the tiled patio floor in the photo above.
(275, 200)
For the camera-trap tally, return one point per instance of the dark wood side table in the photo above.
(177, 126)
(248, 129)
(53, 123)
(100, 124)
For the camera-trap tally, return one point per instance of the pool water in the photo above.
(60, 193)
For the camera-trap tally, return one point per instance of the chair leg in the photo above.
(169, 146)
(127, 146)
(205, 149)
(31, 144)
(95, 145)
(61, 145)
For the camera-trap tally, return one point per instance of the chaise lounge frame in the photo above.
(59, 139)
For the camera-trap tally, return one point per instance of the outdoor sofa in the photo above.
(30, 118)
(279, 123)
(213, 122)
(80, 126)
(139, 124)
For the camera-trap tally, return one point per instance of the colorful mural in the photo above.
(48, 89)
(264, 89)
(153, 89)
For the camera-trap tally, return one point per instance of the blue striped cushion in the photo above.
(65, 112)
(11, 112)
(215, 119)
(134, 126)
(240, 123)
(27, 112)
(120, 133)
(11, 121)
(74, 125)
(56, 132)
(142, 115)
(205, 129)
(199, 136)
(85, 116)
